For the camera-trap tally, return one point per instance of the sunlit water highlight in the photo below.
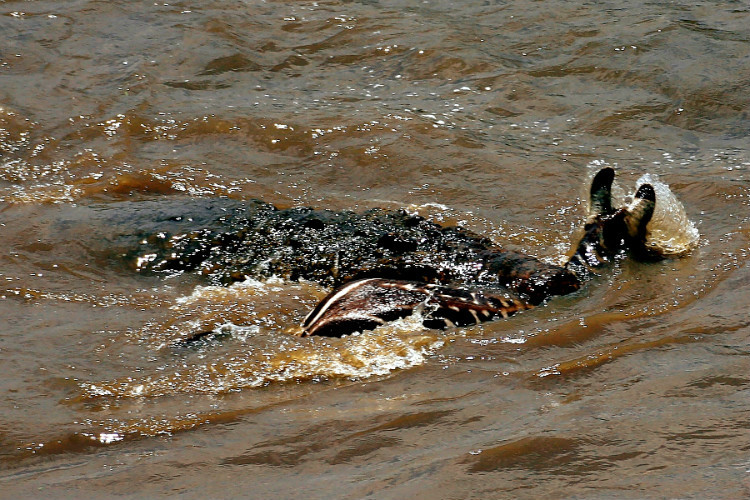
(489, 116)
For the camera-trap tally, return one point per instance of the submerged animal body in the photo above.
(385, 265)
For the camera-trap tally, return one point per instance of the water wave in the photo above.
(263, 350)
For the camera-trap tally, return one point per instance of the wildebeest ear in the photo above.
(600, 197)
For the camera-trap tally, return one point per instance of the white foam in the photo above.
(270, 358)
(670, 232)
(249, 286)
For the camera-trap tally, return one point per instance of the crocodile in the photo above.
(383, 265)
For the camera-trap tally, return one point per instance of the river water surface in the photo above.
(491, 115)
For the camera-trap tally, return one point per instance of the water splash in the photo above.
(257, 348)
(670, 231)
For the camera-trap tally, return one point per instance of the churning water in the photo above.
(490, 115)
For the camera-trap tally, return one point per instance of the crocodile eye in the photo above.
(314, 224)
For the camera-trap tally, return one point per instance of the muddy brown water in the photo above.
(490, 115)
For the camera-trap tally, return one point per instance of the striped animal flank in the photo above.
(369, 303)
(457, 307)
